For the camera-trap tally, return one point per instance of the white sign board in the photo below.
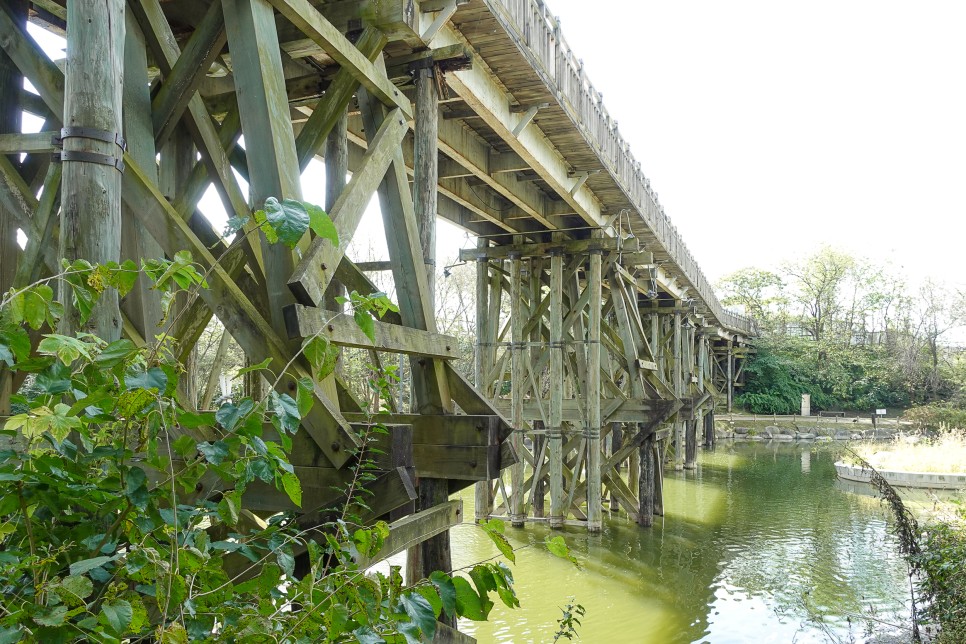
(880, 412)
(806, 405)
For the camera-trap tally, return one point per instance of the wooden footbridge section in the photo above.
(602, 350)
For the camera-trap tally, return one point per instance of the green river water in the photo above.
(753, 536)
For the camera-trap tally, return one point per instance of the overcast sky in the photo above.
(771, 127)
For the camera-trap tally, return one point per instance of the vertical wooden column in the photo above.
(143, 304)
(539, 495)
(263, 104)
(594, 489)
(659, 478)
(435, 552)
(11, 84)
(731, 375)
(483, 497)
(336, 154)
(91, 205)
(691, 427)
(709, 437)
(518, 315)
(678, 384)
(616, 441)
(426, 167)
(657, 346)
(555, 431)
(645, 492)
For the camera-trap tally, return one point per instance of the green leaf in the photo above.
(421, 612)
(65, 348)
(366, 322)
(153, 378)
(255, 367)
(52, 617)
(447, 591)
(55, 379)
(288, 219)
(494, 530)
(115, 353)
(11, 635)
(215, 452)
(228, 415)
(305, 396)
(125, 277)
(229, 508)
(320, 223)
(86, 565)
(469, 604)
(365, 635)
(292, 487)
(17, 343)
(558, 547)
(321, 354)
(174, 634)
(136, 487)
(78, 586)
(184, 446)
(118, 614)
(430, 594)
(286, 411)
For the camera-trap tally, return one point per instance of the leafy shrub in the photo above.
(936, 416)
(942, 563)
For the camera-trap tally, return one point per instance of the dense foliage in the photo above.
(942, 566)
(123, 512)
(848, 332)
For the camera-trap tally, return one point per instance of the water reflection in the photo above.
(757, 533)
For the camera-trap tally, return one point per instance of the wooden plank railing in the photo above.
(538, 33)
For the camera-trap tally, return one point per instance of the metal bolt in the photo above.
(330, 328)
(335, 446)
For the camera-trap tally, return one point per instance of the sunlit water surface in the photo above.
(759, 544)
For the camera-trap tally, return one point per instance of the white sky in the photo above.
(770, 127)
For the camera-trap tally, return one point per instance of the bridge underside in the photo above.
(600, 342)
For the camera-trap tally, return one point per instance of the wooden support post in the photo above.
(691, 443)
(11, 83)
(263, 103)
(518, 348)
(677, 380)
(539, 496)
(91, 207)
(434, 553)
(731, 375)
(336, 168)
(709, 436)
(659, 478)
(645, 496)
(594, 490)
(142, 305)
(483, 497)
(557, 375)
(616, 440)
(657, 347)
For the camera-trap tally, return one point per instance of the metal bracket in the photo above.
(117, 162)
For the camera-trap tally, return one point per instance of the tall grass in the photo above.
(946, 453)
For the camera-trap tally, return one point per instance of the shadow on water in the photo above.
(756, 533)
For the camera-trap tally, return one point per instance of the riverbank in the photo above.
(790, 428)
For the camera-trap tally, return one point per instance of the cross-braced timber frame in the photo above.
(600, 341)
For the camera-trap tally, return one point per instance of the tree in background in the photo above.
(849, 332)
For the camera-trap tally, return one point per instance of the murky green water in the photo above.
(750, 538)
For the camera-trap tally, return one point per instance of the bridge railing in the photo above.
(539, 32)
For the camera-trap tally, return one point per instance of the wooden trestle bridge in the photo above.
(602, 350)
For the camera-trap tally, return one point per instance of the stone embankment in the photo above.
(799, 429)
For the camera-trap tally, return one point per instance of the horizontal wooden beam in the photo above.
(545, 250)
(27, 143)
(416, 528)
(306, 322)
